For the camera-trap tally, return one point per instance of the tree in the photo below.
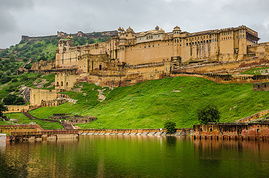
(170, 127)
(13, 100)
(2, 109)
(28, 66)
(209, 113)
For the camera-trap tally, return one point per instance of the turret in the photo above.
(177, 30)
(64, 44)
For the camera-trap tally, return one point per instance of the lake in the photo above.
(135, 156)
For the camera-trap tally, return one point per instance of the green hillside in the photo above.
(43, 49)
(151, 103)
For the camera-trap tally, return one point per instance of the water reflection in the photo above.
(134, 156)
(171, 141)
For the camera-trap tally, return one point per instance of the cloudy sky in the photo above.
(44, 17)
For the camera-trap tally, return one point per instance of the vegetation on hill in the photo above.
(23, 55)
(150, 104)
(208, 113)
(12, 99)
(33, 80)
(8, 69)
(2, 109)
(43, 49)
(34, 50)
(255, 71)
(22, 119)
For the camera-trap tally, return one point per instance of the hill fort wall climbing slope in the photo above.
(130, 57)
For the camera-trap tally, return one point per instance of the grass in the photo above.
(150, 104)
(5, 123)
(22, 119)
(254, 71)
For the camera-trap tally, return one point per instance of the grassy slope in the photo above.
(27, 79)
(24, 120)
(150, 104)
(255, 71)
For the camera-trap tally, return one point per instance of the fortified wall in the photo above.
(39, 97)
(61, 34)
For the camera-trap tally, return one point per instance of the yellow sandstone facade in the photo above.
(132, 57)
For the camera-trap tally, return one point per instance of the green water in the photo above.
(135, 156)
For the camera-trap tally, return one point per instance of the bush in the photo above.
(170, 127)
(13, 100)
(28, 66)
(2, 109)
(208, 114)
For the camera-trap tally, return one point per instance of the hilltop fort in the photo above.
(130, 57)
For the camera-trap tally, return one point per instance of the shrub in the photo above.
(2, 109)
(208, 114)
(28, 66)
(13, 100)
(170, 127)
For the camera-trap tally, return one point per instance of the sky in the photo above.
(46, 17)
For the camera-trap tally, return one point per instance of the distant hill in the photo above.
(44, 47)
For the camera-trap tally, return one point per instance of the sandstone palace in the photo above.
(131, 57)
(128, 58)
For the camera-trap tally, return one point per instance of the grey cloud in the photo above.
(43, 17)
(8, 22)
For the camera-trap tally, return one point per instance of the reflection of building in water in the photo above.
(206, 147)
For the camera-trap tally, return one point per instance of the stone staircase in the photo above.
(253, 117)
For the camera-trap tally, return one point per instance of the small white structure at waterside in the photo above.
(3, 138)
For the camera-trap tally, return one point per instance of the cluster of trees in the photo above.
(85, 40)
(12, 99)
(35, 50)
(82, 41)
(209, 113)
(2, 109)
(8, 68)
(44, 49)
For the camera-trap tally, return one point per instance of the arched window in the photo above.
(100, 67)
(62, 83)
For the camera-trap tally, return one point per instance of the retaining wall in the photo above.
(236, 131)
(149, 132)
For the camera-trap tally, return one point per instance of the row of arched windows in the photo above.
(61, 84)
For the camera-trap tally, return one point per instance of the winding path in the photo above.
(66, 126)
